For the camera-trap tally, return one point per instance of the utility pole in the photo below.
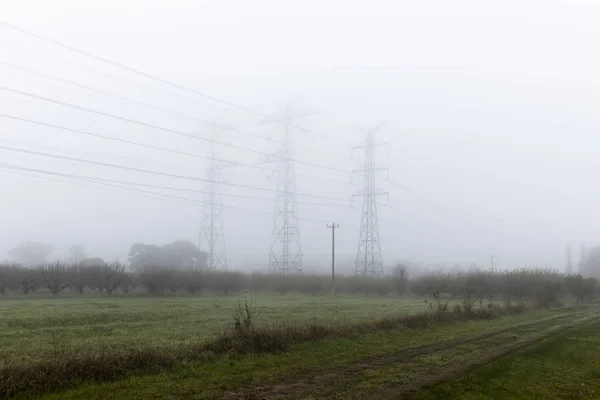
(492, 262)
(333, 226)
(368, 255)
(286, 252)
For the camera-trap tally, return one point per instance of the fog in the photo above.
(489, 112)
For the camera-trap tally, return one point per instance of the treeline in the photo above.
(112, 277)
(543, 286)
(515, 285)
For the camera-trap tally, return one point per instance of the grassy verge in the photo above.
(565, 366)
(232, 375)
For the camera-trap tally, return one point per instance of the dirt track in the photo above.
(414, 375)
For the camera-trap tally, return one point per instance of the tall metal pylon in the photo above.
(569, 266)
(285, 257)
(368, 257)
(582, 257)
(212, 234)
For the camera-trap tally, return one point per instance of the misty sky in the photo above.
(490, 113)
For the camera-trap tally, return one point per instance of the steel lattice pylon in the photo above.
(285, 256)
(368, 257)
(212, 237)
(286, 252)
(569, 266)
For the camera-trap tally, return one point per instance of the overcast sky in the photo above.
(490, 113)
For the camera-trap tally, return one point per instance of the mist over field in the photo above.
(281, 200)
(489, 112)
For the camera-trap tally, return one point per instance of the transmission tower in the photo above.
(569, 267)
(212, 237)
(582, 257)
(368, 256)
(285, 256)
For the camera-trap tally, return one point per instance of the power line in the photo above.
(86, 153)
(411, 191)
(74, 183)
(119, 65)
(149, 146)
(123, 167)
(141, 103)
(148, 125)
(164, 196)
(103, 181)
(152, 77)
(101, 136)
(133, 101)
(125, 67)
(92, 179)
(144, 194)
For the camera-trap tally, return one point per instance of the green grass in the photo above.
(38, 329)
(35, 329)
(215, 379)
(565, 366)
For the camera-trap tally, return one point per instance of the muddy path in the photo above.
(329, 383)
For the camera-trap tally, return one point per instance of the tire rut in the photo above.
(308, 382)
(445, 374)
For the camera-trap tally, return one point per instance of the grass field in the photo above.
(38, 328)
(380, 365)
(564, 366)
(464, 359)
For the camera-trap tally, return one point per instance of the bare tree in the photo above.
(191, 280)
(112, 276)
(94, 270)
(8, 276)
(26, 278)
(55, 277)
(155, 280)
(583, 289)
(130, 282)
(400, 274)
(80, 276)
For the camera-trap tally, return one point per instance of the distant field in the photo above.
(39, 328)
